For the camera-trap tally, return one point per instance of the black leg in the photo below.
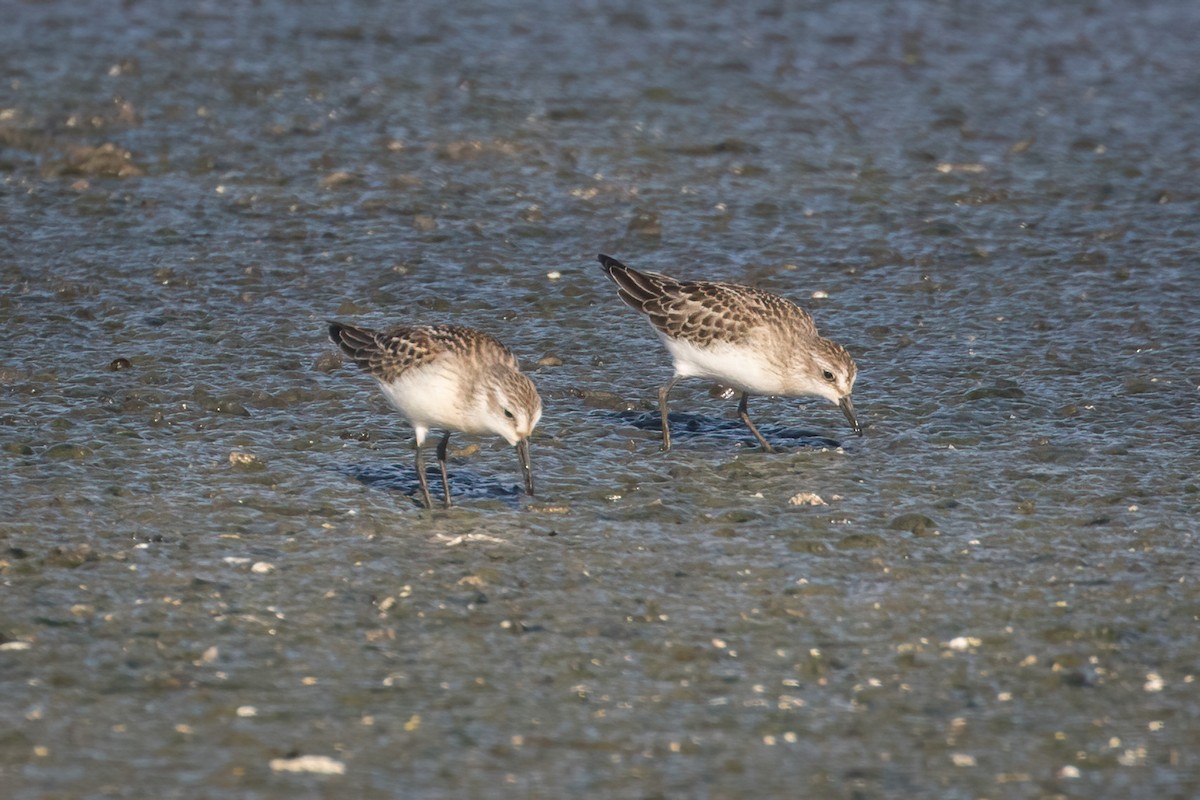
(421, 477)
(746, 419)
(662, 409)
(441, 454)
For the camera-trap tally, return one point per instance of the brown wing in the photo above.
(388, 354)
(483, 348)
(384, 354)
(704, 312)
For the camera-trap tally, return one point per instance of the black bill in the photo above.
(847, 408)
(526, 470)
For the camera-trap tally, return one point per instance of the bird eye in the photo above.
(508, 414)
(828, 375)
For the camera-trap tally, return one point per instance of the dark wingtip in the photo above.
(609, 263)
(335, 332)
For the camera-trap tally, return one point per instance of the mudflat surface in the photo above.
(211, 562)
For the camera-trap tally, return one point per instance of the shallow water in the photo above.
(211, 556)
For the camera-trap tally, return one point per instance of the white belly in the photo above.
(742, 368)
(431, 397)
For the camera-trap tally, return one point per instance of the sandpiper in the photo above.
(754, 341)
(450, 378)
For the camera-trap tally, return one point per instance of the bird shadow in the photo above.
(687, 426)
(464, 484)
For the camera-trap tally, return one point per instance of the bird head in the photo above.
(513, 410)
(513, 406)
(829, 372)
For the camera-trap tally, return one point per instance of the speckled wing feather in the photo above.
(704, 312)
(388, 354)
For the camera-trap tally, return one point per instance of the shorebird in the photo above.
(754, 341)
(450, 378)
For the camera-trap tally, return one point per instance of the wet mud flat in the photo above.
(214, 578)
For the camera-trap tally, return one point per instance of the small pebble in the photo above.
(599, 399)
(861, 541)
(916, 524)
(262, 567)
(549, 509)
(118, 364)
(971, 169)
(806, 499)
(721, 391)
(327, 362)
(645, 223)
(553, 274)
(454, 541)
(341, 178)
(320, 765)
(66, 450)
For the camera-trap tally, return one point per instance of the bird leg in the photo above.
(421, 477)
(662, 408)
(745, 417)
(441, 454)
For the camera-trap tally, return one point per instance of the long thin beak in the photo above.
(847, 407)
(523, 454)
